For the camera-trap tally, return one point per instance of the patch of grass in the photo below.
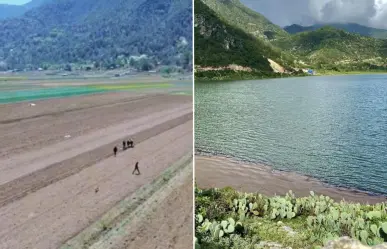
(12, 78)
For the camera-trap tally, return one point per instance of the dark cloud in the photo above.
(306, 12)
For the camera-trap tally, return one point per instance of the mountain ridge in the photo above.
(349, 27)
(324, 49)
(100, 32)
(236, 14)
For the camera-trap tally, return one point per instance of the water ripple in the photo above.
(331, 128)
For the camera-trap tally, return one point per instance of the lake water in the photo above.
(333, 128)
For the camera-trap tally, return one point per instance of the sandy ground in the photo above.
(52, 187)
(221, 172)
(168, 223)
(163, 220)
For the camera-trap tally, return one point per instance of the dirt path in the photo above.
(163, 219)
(28, 130)
(168, 225)
(58, 187)
(221, 172)
(19, 165)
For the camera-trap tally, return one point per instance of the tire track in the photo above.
(36, 180)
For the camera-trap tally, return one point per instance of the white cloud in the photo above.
(306, 12)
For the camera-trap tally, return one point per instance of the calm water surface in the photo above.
(332, 128)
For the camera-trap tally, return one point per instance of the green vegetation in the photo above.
(349, 27)
(336, 48)
(218, 44)
(226, 218)
(66, 34)
(233, 12)
(11, 78)
(230, 75)
(228, 33)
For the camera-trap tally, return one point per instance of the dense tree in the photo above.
(103, 32)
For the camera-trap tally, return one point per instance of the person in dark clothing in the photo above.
(115, 151)
(128, 143)
(123, 145)
(136, 169)
(131, 143)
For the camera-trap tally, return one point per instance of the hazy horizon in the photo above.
(14, 2)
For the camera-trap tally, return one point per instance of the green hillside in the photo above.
(219, 45)
(223, 36)
(235, 13)
(330, 47)
(349, 27)
(103, 33)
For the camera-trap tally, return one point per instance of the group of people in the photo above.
(126, 145)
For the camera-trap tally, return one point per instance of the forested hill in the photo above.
(349, 27)
(236, 14)
(218, 44)
(104, 33)
(224, 34)
(330, 48)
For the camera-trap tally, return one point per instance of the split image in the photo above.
(207, 124)
(96, 125)
(290, 124)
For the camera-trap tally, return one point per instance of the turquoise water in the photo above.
(11, 92)
(332, 128)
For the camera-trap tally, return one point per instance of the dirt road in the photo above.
(52, 186)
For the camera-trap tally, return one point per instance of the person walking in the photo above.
(115, 151)
(123, 145)
(136, 169)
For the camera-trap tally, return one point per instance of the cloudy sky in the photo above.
(306, 12)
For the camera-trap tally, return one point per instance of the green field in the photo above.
(13, 92)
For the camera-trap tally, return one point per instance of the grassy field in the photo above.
(226, 218)
(28, 87)
(4, 79)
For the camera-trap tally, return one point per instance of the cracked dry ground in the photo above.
(52, 187)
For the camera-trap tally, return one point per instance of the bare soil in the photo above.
(162, 220)
(168, 223)
(52, 186)
(220, 172)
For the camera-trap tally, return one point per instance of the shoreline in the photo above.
(220, 172)
(203, 80)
